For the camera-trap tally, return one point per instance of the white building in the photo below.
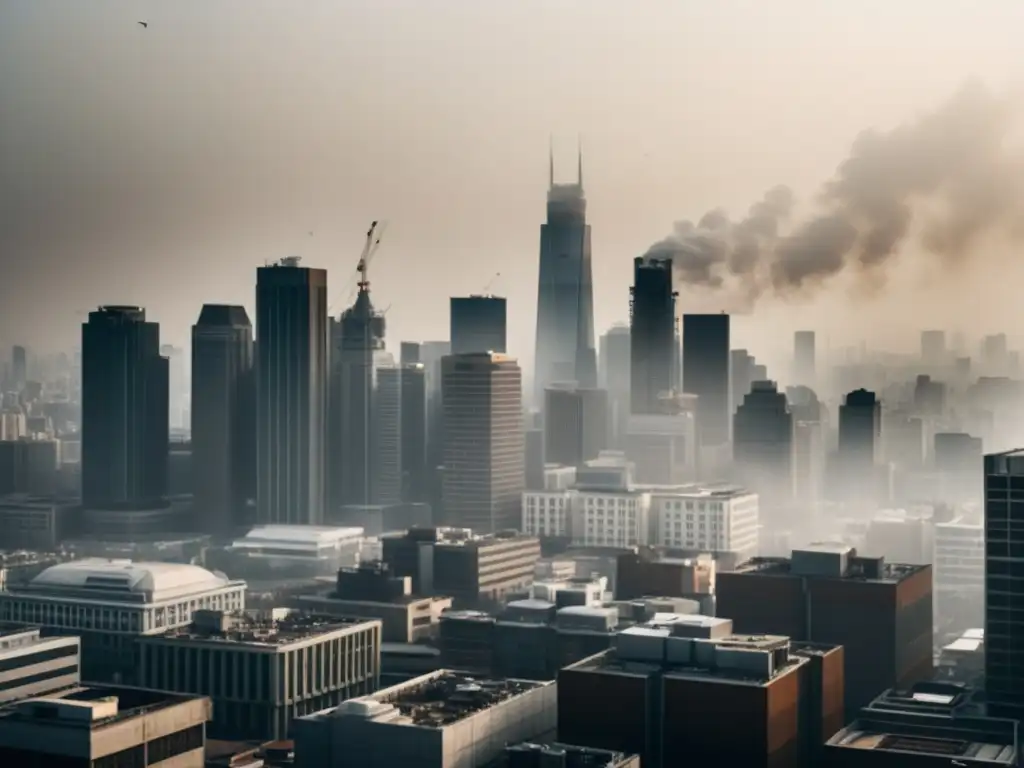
(108, 603)
(714, 519)
(312, 548)
(546, 513)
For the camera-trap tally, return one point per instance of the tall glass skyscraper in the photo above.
(565, 291)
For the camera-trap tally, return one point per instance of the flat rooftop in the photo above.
(131, 702)
(892, 573)
(254, 631)
(445, 697)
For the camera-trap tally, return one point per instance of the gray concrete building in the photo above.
(110, 603)
(116, 727)
(31, 665)
(263, 672)
(439, 720)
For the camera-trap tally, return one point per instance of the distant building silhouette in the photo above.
(652, 334)
(291, 366)
(484, 476)
(401, 435)
(933, 347)
(763, 445)
(19, 367)
(575, 424)
(804, 354)
(854, 471)
(741, 372)
(615, 378)
(223, 414)
(706, 374)
(124, 410)
(410, 352)
(478, 324)
(565, 291)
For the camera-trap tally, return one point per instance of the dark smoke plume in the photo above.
(942, 180)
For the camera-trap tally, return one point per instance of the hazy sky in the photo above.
(162, 166)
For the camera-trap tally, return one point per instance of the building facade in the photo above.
(478, 324)
(706, 374)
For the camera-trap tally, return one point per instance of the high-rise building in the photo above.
(741, 372)
(1004, 565)
(177, 391)
(706, 374)
(124, 410)
(223, 410)
(357, 341)
(575, 424)
(804, 363)
(291, 365)
(764, 445)
(933, 347)
(400, 435)
(484, 476)
(478, 324)
(410, 353)
(19, 367)
(652, 333)
(565, 291)
(615, 361)
(860, 432)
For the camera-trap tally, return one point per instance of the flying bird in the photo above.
(143, 24)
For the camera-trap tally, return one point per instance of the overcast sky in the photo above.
(161, 166)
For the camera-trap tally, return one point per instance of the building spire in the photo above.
(551, 161)
(579, 161)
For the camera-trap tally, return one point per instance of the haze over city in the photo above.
(161, 165)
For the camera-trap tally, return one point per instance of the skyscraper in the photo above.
(176, 388)
(706, 374)
(291, 365)
(575, 424)
(804, 358)
(565, 291)
(763, 445)
(223, 459)
(484, 474)
(124, 411)
(652, 334)
(478, 324)
(19, 367)
(615, 378)
(1004, 543)
(401, 434)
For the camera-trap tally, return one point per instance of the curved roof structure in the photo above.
(111, 578)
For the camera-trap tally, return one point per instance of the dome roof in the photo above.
(109, 578)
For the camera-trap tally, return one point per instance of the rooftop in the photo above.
(441, 698)
(250, 629)
(121, 579)
(300, 534)
(867, 569)
(109, 704)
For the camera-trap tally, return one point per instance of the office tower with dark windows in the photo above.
(764, 446)
(804, 354)
(478, 324)
(860, 433)
(575, 424)
(291, 365)
(741, 373)
(177, 396)
(410, 353)
(614, 377)
(484, 474)
(357, 346)
(706, 374)
(933, 347)
(223, 410)
(400, 411)
(1004, 574)
(19, 367)
(124, 411)
(652, 334)
(565, 291)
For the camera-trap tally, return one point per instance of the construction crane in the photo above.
(370, 247)
(490, 282)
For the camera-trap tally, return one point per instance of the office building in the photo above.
(400, 416)
(764, 447)
(685, 690)
(110, 603)
(808, 597)
(263, 672)
(108, 726)
(933, 347)
(565, 291)
(706, 374)
(177, 389)
(929, 724)
(713, 519)
(808, 460)
(410, 353)
(291, 369)
(957, 457)
(29, 466)
(478, 324)
(440, 720)
(124, 411)
(804, 364)
(484, 473)
(223, 410)
(1004, 627)
(958, 565)
(31, 665)
(19, 367)
(652, 334)
(860, 446)
(576, 424)
(615, 378)
(741, 373)
(269, 553)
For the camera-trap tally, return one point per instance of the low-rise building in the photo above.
(31, 665)
(557, 755)
(109, 726)
(262, 672)
(440, 720)
(110, 603)
(292, 551)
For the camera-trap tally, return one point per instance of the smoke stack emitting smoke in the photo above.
(943, 180)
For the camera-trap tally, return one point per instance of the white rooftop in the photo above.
(301, 534)
(161, 581)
